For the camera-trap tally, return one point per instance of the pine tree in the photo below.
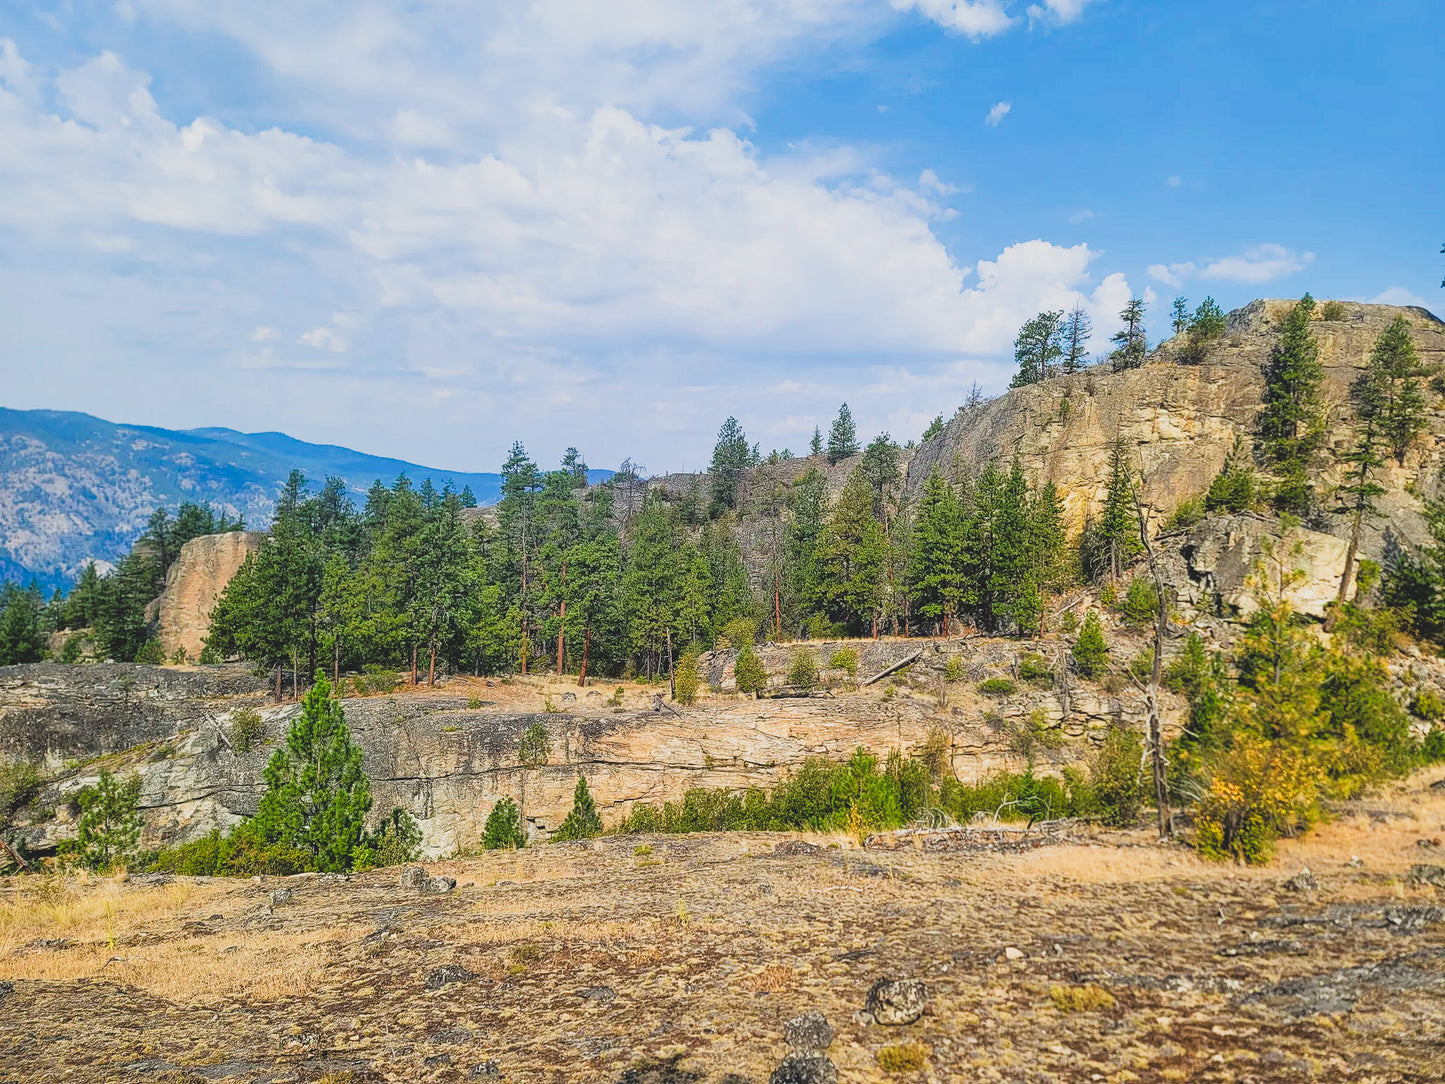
(1037, 347)
(748, 671)
(688, 680)
(935, 427)
(1075, 339)
(1112, 544)
(852, 554)
(1206, 327)
(1180, 319)
(1131, 345)
(317, 794)
(1013, 588)
(731, 456)
(843, 436)
(935, 573)
(110, 823)
(503, 830)
(1397, 370)
(815, 446)
(1292, 422)
(880, 464)
(21, 638)
(1090, 652)
(582, 822)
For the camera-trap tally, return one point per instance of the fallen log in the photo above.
(793, 692)
(894, 668)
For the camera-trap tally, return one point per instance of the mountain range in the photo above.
(76, 488)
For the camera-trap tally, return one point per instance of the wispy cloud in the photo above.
(997, 113)
(1255, 266)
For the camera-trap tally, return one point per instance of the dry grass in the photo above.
(83, 908)
(903, 1058)
(1090, 998)
(772, 978)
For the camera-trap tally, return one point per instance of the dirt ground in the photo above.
(678, 959)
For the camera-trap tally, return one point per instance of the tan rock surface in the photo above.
(193, 585)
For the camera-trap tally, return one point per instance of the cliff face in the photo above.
(194, 583)
(1180, 421)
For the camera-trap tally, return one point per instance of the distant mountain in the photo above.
(75, 488)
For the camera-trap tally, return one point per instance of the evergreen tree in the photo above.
(815, 446)
(1130, 344)
(582, 822)
(397, 839)
(935, 427)
(936, 571)
(652, 586)
(1206, 327)
(852, 554)
(504, 830)
(1397, 370)
(1048, 549)
(1075, 339)
(1292, 422)
(731, 456)
(467, 498)
(1037, 347)
(575, 467)
(1369, 394)
(21, 638)
(810, 507)
(1180, 319)
(748, 671)
(1090, 652)
(1112, 544)
(82, 605)
(317, 794)
(110, 824)
(843, 436)
(880, 465)
(1014, 585)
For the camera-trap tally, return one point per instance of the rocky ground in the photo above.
(681, 959)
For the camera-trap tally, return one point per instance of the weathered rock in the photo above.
(600, 994)
(1427, 875)
(440, 886)
(414, 878)
(1412, 919)
(809, 1033)
(791, 847)
(438, 977)
(282, 895)
(196, 579)
(893, 1002)
(6, 989)
(802, 1069)
(1303, 881)
(487, 1070)
(1012, 953)
(569, 698)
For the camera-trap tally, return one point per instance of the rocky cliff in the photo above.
(195, 581)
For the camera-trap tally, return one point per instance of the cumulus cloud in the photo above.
(1398, 295)
(997, 113)
(975, 19)
(1261, 264)
(501, 247)
(1057, 11)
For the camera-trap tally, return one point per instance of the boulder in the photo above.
(791, 847)
(438, 977)
(1303, 881)
(893, 1002)
(804, 1069)
(808, 1034)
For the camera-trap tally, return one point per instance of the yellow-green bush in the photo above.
(845, 659)
(1258, 791)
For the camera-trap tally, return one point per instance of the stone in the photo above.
(1439, 784)
(1303, 881)
(1428, 844)
(6, 989)
(790, 847)
(893, 1002)
(436, 1060)
(1412, 919)
(415, 878)
(1013, 953)
(487, 1070)
(438, 977)
(1427, 875)
(798, 1069)
(600, 994)
(569, 698)
(440, 886)
(809, 1033)
(282, 895)
(195, 580)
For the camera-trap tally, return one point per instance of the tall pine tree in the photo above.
(1292, 422)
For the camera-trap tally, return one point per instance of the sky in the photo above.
(426, 229)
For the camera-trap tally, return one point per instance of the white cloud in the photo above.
(323, 338)
(975, 19)
(264, 334)
(1082, 215)
(1174, 181)
(1398, 295)
(1261, 264)
(997, 113)
(1057, 11)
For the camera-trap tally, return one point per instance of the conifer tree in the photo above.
(1037, 347)
(21, 638)
(731, 456)
(1075, 340)
(317, 794)
(809, 501)
(843, 436)
(582, 822)
(1206, 327)
(1397, 370)
(503, 830)
(748, 671)
(935, 427)
(1180, 319)
(880, 464)
(1090, 652)
(1130, 344)
(110, 824)
(935, 573)
(852, 554)
(1292, 422)
(815, 446)
(1014, 588)
(1112, 544)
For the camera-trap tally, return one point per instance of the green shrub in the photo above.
(1090, 652)
(1069, 622)
(20, 783)
(1035, 734)
(953, 668)
(582, 822)
(473, 703)
(738, 632)
(110, 823)
(1427, 705)
(397, 839)
(1432, 749)
(686, 678)
(1141, 602)
(70, 651)
(1087, 998)
(820, 628)
(1233, 490)
(535, 747)
(209, 656)
(1189, 513)
(803, 671)
(1141, 666)
(910, 1057)
(1332, 310)
(998, 686)
(615, 700)
(1035, 670)
(1115, 777)
(504, 829)
(1206, 327)
(845, 659)
(751, 677)
(150, 654)
(247, 730)
(179, 657)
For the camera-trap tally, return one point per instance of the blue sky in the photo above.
(427, 229)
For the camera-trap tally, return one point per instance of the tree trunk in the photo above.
(586, 647)
(278, 683)
(413, 663)
(671, 669)
(1151, 699)
(777, 610)
(524, 642)
(562, 621)
(1334, 615)
(336, 666)
(431, 678)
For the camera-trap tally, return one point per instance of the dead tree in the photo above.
(1151, 694)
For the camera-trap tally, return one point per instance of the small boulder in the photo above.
(1303, 881)
(801, 1069)
(809, 1033)
(600, 994)
(415, 878)
(1428, 844)
(440, 886)
(282, 895)
(1012, 953)
(790, 847)
(1439, 784)
(892, 1002)
(569, 698)
(6, 989)
(1412, 919)
(438, 977)
(487, 1070)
